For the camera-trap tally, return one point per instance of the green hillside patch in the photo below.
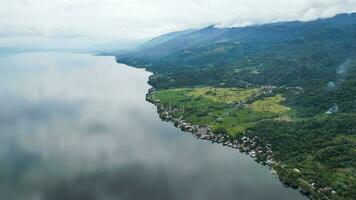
(225, 108)
(270, 104)
(223, 95)
(237, 121)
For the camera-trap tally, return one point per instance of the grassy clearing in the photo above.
(223, 95)
(270, 104)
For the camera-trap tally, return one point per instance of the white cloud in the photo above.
(137, 19)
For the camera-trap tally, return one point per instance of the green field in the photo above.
(223, 95)
(270, 104)
(217, 107)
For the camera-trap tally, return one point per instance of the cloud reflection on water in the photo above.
(76, 126)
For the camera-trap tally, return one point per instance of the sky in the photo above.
(67, 23)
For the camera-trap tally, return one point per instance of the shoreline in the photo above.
(244, 144)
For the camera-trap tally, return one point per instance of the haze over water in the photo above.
(77, 126)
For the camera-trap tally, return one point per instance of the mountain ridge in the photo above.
(211, 34)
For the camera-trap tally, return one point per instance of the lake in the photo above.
(77, 127)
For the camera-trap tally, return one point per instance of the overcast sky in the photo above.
(73, 20)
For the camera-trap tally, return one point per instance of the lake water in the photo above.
(77, 127)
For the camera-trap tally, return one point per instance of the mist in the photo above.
(81, 24)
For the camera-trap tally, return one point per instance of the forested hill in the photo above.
(212, 47)
(222, 47)
(313, 55)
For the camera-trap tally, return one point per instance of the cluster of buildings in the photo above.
(252, 148)
(268, 89)
(244, 144)
(296, 90)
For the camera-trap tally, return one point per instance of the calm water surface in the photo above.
(77, 127)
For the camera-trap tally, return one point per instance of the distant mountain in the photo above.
(169, 43)
(163, 39)
(282, 31)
